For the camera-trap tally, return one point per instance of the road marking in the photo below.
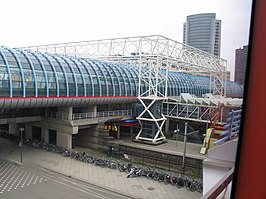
(84, 191)
(30, 180)
(14, 177)
(51, 174)
(35, 181)
(85, 188)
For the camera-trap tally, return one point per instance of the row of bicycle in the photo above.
(178, 180)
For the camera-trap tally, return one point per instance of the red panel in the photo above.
(250, 177)
(129, 123)
(50, 97)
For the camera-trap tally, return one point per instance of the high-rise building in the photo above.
(241, 64)
(203, 31)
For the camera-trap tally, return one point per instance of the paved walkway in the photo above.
(138, 187)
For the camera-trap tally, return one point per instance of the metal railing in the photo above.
(62, 116)
(89, 115)
(232, 127)
(80, 116)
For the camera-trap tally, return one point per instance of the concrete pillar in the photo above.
(131, 131)
(65, 112)
(46, 112)
(28, 131)
(64, 140)
(13, 128)
(90, 109)
(88, 137)
(166, 126)
(45, 134)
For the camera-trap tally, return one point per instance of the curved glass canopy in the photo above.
(31, 74)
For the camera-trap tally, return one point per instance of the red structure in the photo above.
(250, 173)
(127, 123)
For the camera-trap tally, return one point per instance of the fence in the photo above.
(232, 127)
(89, 115)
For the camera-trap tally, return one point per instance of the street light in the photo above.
(20, 143)
(176, 132)
(185, 147)
(186, 134)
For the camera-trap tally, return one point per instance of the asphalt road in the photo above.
(17, 182)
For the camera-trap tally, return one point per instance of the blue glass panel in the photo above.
(19, 85)
(82, 87)
(30, 75)
(42, 77)
(6, 79)
(110, 78)
(52, 76)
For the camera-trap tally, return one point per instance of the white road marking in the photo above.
(84, 191)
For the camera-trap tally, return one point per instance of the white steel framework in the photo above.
(152, 118)
(191, 108)
(155, 55)
(144, 49)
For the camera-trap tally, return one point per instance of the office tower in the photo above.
(203, 31)
(241, 64)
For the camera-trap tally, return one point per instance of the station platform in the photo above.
(169, 147)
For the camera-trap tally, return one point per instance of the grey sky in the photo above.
(33, 22)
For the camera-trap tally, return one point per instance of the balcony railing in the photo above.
(81, 116)
(89, 115)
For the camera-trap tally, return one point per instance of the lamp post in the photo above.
(20, 143)
(186, 134)
(176, 132)
(185, 147)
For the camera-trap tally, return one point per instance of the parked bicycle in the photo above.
(178, 180)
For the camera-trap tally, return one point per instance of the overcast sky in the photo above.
(35, 22)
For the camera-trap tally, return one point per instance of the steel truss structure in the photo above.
(155, 55)
(152, 118)
(191, 108)
(191, 112)
(145, 49)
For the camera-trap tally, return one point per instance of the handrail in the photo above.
(231, 128)
(89, 115)
(219, 186)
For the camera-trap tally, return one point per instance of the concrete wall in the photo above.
(45, 134)
(89, 109)
(67, 111)
(88, 137)
(28, 131)
(158, 159)
(20, 119)
(94, 137)
(64, 140)
(57, 125)
(219, 161)
(212, 173)
(13, 128)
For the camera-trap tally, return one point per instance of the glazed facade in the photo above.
(31, 74)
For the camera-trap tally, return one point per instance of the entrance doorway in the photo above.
(36, 133)
(52, 137)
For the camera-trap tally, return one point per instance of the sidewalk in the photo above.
(138, 187)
